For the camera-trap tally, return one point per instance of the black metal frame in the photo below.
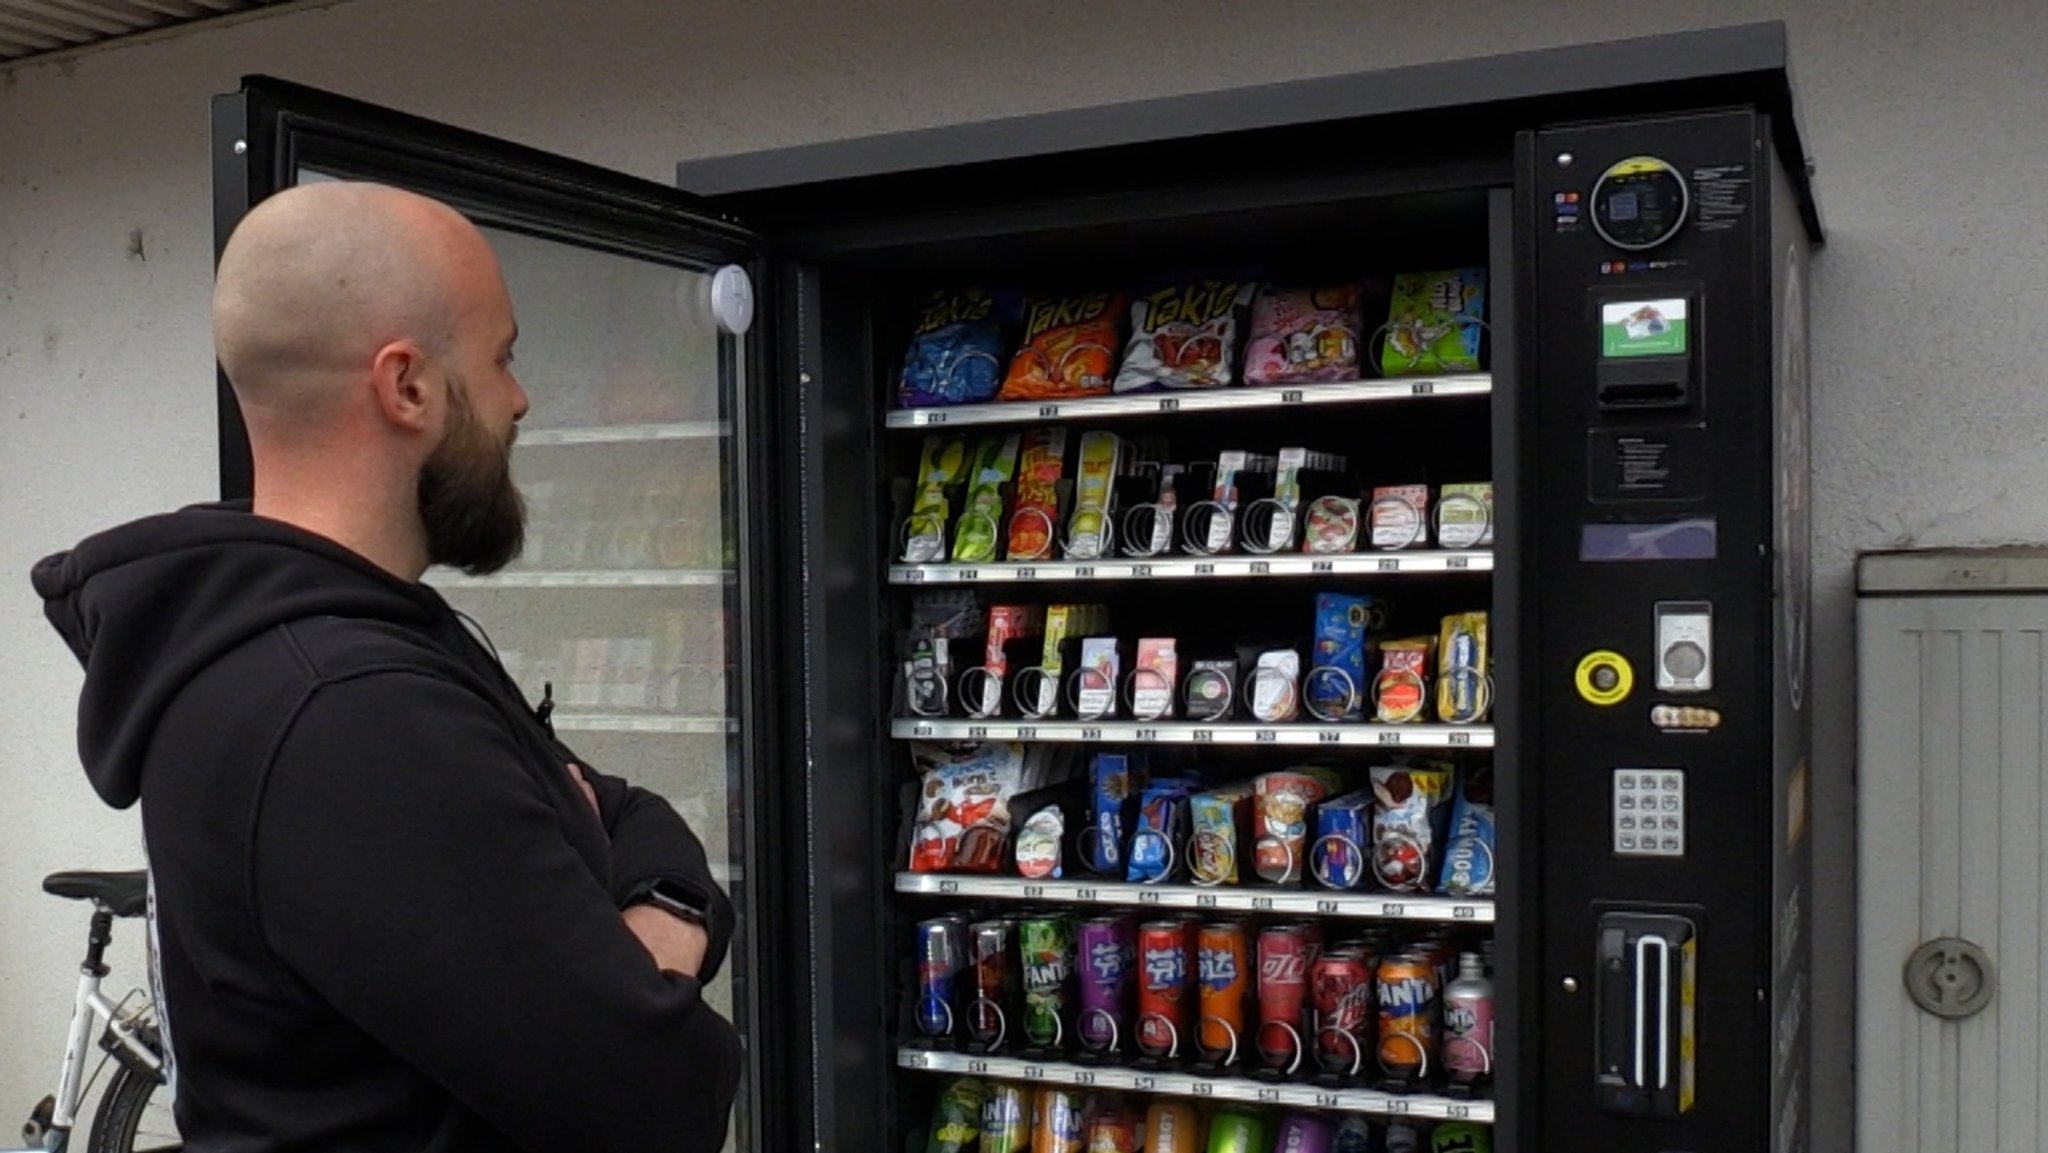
(267, 132)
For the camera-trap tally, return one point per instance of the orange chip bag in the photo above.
(1069, 347)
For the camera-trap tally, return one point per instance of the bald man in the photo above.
(393, 911)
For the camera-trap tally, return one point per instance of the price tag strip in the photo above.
(1189, 733)
(1182, 1085)
(1198, 568)
(1217, 400)
(1318, 902)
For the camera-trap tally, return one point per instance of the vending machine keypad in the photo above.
(1649, 812)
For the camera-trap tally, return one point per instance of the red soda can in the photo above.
(1408, 1012)
(941, 955)
(1224, 967)
(998, 981)
(1164, 997)
(1341, 986)
(1285, 954)
(1113, 1127)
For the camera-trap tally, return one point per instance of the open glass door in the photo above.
(642, 598)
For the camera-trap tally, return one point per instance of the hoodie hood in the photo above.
(148, 605)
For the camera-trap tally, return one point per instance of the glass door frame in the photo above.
(268, 132)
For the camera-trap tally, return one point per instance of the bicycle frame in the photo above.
(91, 1011)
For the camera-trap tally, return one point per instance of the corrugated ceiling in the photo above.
(38, 27)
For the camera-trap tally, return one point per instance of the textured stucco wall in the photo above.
(1928, 407)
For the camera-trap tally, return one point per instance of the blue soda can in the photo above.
(941, 956)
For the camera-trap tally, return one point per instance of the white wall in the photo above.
(1926, 120)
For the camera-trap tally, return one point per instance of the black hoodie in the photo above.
(387, 918)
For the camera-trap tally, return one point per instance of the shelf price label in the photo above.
(917, 1060)
(1328, 1100)
(1144, 1083)
(1464, 913)
(1269, 1095)
(1034, 1072)
(1458, 1112)
(1203, 1088)
(970, 574)
(1084, 1077)
(1034, 892)
(1399, 1106)
(1048, 411)
(1460, 737)
(1457, 562)
(974, 1065)
(1291, 396)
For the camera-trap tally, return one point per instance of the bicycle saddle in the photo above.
(124, 894)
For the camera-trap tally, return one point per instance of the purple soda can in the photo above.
(1304, 1133)
(1104, 961)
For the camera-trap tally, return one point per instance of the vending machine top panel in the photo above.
(834, 180)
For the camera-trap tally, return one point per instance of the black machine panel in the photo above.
(1649, 305)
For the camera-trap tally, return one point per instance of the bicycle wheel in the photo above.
(134, 1117)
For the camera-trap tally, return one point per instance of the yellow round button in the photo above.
(1605, 677)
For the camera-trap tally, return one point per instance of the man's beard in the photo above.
(474, 516)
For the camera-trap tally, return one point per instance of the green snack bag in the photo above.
(1433, 322)
(956, 1119)
(924, 534)
(995, 463)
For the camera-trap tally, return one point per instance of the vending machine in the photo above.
(1270, 620)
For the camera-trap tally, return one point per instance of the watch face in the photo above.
(1639, 203)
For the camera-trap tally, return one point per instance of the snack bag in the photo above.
(1069, 347)
(956, 349)
(1184, 336)
(1468, 856)
(1280, 806)
(1112, 780)
(1400, 516)
(1464, 515)
(942, 463)
(1041, 462)
(1159, 842)
(1433, 322)
(1463, 693)
(1338, 858)
(1335, 688)
(1407, 824)
(980, 527)
(961, 787)
(1303, 335)
(1401, 690)
(1213, 849)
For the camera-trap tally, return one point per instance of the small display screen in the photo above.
(1643, 327)
(1621, 207)
(1694, 538)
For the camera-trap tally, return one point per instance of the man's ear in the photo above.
(400, 376)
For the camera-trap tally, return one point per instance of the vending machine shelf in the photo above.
(596, 578)
(1364, 1101)
(1197, 568)
(1186, 733)
(1315, 902)
(1173, 403)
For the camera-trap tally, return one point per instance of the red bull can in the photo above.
(941, 955)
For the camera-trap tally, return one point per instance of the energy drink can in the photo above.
(1172, 1127)
(1223, 963)
(1408, 1012)
(1057, 1123)
(1285, 953)
(1304, 1133)
(998, 986)
(1341, 986)
(1005, 1120)
(1104, 974)
(956, 1118)
(941, 955)
(1354, 1135)
(1164, 996)
(1048, 949)
(1233, 1131)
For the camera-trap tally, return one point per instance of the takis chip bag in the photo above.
(1069, 348)
(1301, 335)
(1185, 335)
(956, 348)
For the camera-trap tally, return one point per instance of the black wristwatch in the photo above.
(672, 898)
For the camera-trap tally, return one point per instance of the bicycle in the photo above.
(131, 1110)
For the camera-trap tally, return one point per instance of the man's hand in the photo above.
(676, 945)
